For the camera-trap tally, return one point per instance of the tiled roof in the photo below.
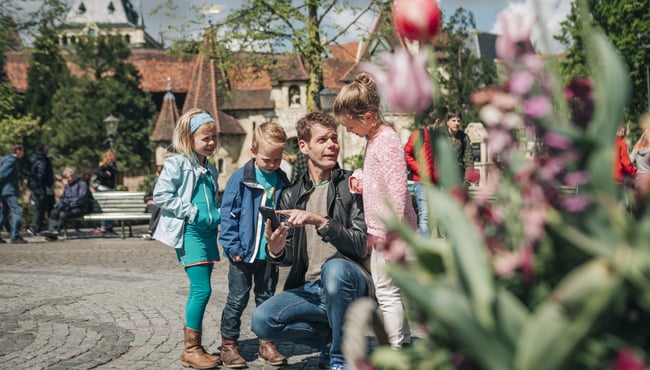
(156, 66)
(202, 93)
(346, 52)
(166, 121)
(247, 100)
(16, 66)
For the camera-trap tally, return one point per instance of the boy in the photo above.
(257, 183)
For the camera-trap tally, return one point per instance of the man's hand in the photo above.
(275, 239)
(300, 218)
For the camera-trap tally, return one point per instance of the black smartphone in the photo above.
(269, 213)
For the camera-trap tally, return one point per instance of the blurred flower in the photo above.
(556, 141)
(579, 93)
(537, 106)
(514, 40)
(628, 360)
(404, 81)
(417, 20)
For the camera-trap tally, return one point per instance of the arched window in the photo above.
(92, 32)
(64, 40)
(294, 96)
(220, 165)
(127, 38)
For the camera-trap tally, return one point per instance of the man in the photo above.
(9, 176)
(74, 202)
(40, 181)
(325, 247)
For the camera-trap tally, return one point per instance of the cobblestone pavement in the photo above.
(105, 302)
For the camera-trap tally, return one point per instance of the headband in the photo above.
(199, 120)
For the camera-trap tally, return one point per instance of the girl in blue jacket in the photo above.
(187, 192)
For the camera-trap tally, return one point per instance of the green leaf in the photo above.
(469, 251)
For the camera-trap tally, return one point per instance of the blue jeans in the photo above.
(10, 202)
(306, 314)
(241, 277)
(420, 192)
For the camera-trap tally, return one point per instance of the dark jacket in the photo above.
(41, 174)
(346, 231)
(241, 224)
(107, 175)
(9, 175)
(75, 195)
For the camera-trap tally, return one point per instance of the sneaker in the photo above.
(52, 234)
(97, 230)
(338, 365)
(33, 232)
(18, 240)
(147, 236)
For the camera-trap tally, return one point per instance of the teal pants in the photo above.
(200, 290)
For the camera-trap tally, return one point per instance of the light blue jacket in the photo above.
(173, 194)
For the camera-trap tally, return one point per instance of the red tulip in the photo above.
(417, 20)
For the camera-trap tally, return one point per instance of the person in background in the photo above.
(420, 161)
(385, 192)
(40, 180)
(641, 157)
(325, 245)
(258, 183)
(299, 167)
(287, 164)
(9, 177)
(107, 179)
(460, 144)
(187, 192)
(74, 202)
(623, 169)
(152, 208)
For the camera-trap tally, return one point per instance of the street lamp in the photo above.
(327, 97)
(111, 123)
(644, 41)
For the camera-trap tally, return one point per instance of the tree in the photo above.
(46, 74)
(622, 21)
(110, 85)
(461, 72)
(272, 25)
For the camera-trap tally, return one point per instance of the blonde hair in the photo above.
(358, 98)
(644, 124)
(107, 158)
(182, 137)
(270, 132)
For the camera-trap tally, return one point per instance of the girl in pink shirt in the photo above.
(384, 191)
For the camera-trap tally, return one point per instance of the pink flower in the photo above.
(521, 82)
(417, 20)
(576, 178)
(576, 203)
(557, 141)
(404, 81)
(537, 106)
(580, 95)
(514, 40)
(628, 360)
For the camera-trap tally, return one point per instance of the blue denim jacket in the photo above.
(173, 194)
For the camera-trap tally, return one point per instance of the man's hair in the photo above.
(16, 147)
(304, 125)
(270, 132)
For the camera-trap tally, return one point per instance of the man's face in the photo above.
(322, 150)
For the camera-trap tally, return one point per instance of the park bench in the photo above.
(474, 192)
(123, 207)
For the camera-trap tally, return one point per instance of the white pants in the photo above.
(390, 302)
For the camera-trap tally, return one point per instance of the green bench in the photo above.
(121, 207)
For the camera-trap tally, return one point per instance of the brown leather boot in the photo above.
(269, 354)
(230, 356)
(194, 355)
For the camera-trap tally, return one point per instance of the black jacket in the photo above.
(41, 174)
(107, 175)
(346, 230)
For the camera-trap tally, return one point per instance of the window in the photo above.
(294, 96)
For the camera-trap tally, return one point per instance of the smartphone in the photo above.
(269, 213)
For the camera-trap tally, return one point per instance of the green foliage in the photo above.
(463, 73)
(111, 86)
(15, 130)
(621, 21)
(354, 161)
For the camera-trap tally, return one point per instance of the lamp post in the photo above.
(644, 41)
(111, 123)
(327, 97)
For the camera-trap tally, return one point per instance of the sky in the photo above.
(485, 13)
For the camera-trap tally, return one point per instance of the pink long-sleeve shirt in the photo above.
(384, 182)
